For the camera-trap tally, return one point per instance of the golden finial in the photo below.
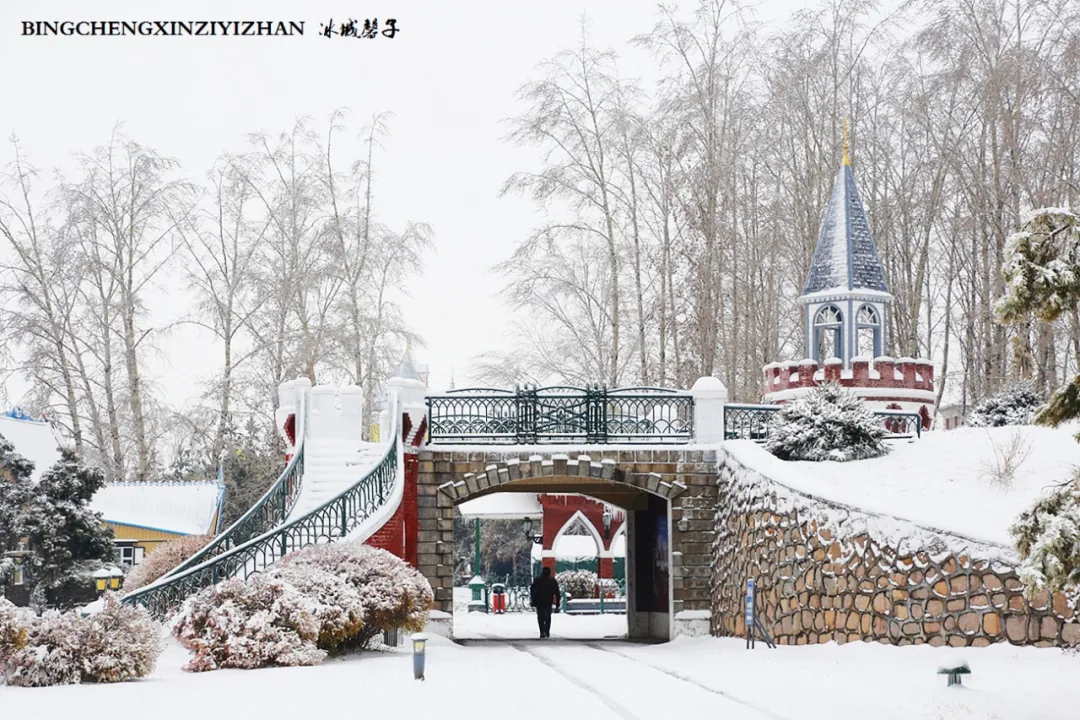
(847, 160)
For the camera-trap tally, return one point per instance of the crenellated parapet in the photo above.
(880, 372)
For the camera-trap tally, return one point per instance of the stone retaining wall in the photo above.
(815, 583)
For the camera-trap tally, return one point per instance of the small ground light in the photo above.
(954, 669)
(419, 642)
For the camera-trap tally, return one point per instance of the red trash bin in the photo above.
(498, 598)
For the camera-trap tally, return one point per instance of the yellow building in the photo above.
(143, 515)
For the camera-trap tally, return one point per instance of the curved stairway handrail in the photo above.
(333, 520)
(268, 512)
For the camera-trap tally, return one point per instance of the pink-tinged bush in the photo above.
(120, 643)
(248, 624)
(338, 606)
(392, 594)
(163, 559)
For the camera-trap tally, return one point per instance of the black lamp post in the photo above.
(606, 518)
(527, 524)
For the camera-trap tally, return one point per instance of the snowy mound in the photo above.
(941, 481)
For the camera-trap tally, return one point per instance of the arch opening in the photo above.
(631, 595)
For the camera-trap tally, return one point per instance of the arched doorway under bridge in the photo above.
(669, 497)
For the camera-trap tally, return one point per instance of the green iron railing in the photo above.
(271, 510)
(752, 422)
(561, 415)
(331, 521)
(268, 512)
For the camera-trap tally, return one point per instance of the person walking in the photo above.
(544, 595)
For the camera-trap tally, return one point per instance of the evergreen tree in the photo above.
(1047, 537)
(68, 540)
(15, 491)
(828, 423)
(1042, 274)
(1014, 405)
(251, 462)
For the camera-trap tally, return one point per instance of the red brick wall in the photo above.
(391, 536)
(558, 509)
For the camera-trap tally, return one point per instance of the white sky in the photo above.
(449, 77)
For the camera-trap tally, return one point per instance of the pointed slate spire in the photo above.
(407, 368)
(845, 257)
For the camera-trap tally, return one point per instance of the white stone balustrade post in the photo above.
(710, 396)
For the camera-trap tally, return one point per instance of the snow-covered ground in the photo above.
(698, 677)
(940, 481)
(522, 625)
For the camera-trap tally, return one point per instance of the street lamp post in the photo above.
(109, 577)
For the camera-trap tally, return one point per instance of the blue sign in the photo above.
(749, 602)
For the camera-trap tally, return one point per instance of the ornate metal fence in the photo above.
(333, 520)
(519, 597)
(751, 422)
(561, 415)
(269, 512)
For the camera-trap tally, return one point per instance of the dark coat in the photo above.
(544, 592)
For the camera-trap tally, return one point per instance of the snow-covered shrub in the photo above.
(249, 623)
(827, 423)
(1047, 537)
(50, 653)
(163, 559)
(14, 629)
(392, 594)
(337, 605)
(1014, 405)
(578, 584)
(118, 644)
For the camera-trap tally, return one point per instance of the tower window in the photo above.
(827, 333)
(867, 332)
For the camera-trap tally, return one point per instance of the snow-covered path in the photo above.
(634, 690)
(602, 680)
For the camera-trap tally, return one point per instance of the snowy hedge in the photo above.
(163, 559)
(1048, 539)
(118, 644)
(578, 584)
(248, 624)
(828, 423)
(1014, 405)
(390, 594)
(323, 599)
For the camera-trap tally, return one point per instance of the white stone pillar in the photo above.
(710, 395)
(411, 397)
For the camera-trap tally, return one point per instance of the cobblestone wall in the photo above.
(816, 582)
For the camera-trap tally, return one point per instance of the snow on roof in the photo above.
(939, 481)
(581, 547)
(503, 506)
(185, 508)
(34, 440)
